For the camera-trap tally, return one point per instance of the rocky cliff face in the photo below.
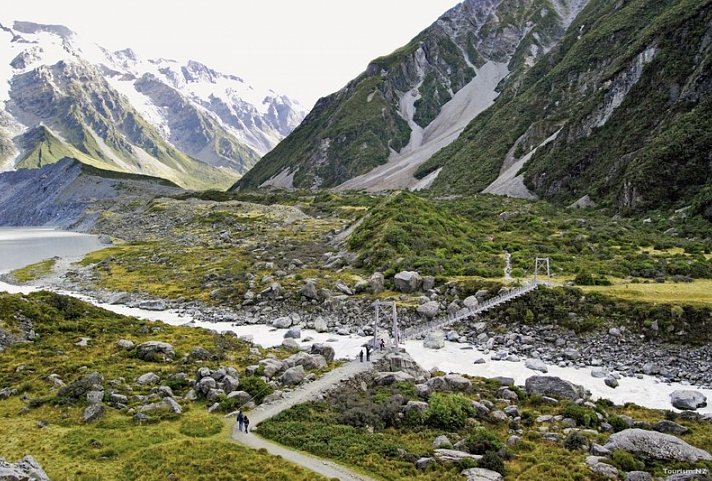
(62, 96)
(408, 101)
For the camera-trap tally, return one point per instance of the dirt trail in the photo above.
(305, 393)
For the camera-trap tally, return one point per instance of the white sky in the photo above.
(303, 48)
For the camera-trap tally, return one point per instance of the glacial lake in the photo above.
(26, 245)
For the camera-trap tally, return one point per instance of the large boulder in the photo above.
(456, 382)
(481, 474)
(408, 281)
(155, 351)
(270, 367)
(434, 340)
(293, 333)
(324, 350)
(308, 361)
(293, 375)
(655, 445)
(453, 455)
(688, 400)
(387, 378)
(551, 386)
(401, 361)
(471, 302)
(28, 469)
(429, 309)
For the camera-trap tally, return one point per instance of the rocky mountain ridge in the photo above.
(65, 96)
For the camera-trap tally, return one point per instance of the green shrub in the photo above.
(625, 461)
(482, 440)
(618, 423)
(585, 417)
(449, 411)
(256, 387)
(575, 441)
(491, 461)
(466, 463)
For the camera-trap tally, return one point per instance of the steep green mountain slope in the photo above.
(628, 93)
(387, 107)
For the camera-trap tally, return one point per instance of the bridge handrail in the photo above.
(471, 312)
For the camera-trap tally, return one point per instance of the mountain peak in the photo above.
(35, 28)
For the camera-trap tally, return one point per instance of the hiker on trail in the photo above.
(360, 355)
(247, 424)
(383, 344)
(240, 420)
(368, 353)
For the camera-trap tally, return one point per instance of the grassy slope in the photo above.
(610, 39)
(192, 446)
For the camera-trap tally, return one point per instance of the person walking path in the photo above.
(304, 393)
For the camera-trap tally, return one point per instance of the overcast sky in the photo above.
(304, 48)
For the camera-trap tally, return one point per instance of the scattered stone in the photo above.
(290, 344)
(7, 392)
(324, 350)
(95, 397)
(611, 382)
(638, 476)
(320, 325)
(423, 463)
(456, 382)
(155, 351)
(670, 427)
(293, 375)
(481, 474)
(536, 365)
(376, 282)
(148, 379)
(442, 441)
(93, 412)
(125, 344)
(200, 353)
(452, 455)
(309, 290)
(434, 340)
(293, 333)
(606, 470)
(408, 281)
(388, 378)
(652, 444)
(599, 372)
(282, 322)
(688, 400)
(429, 309)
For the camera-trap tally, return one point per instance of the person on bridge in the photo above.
(240, 420)
(247, 424)
(383, 344)
(368, 353)
(360, 355)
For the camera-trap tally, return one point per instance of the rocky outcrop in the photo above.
(28, 469)
(654, 445)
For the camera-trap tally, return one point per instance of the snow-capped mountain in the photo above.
(64, 96)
